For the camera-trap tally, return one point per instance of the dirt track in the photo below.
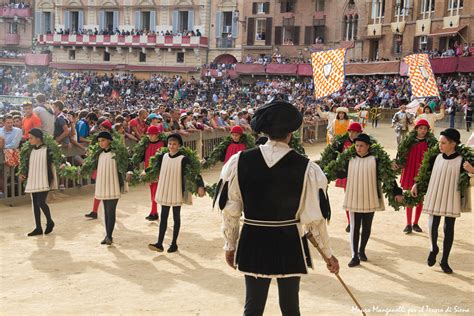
(70, 272)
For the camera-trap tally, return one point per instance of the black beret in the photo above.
(278, 116)
(175, 136)
(452, 134)
(363, 138)
(36, 132)
(105, 135)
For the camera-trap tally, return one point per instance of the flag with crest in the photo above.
(422, 79)
(328, 71)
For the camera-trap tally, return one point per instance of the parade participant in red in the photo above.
(145, 149)
(237, 141)
(411, 152)
(339, 145)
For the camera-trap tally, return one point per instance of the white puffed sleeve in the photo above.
(231, 205)
(313, 199)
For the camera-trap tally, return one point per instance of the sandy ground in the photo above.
(69, 272)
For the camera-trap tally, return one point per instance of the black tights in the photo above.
(358, 220)
(433, 225)
(39, 203)
(165, 211)
(110, 207)
(257, 291)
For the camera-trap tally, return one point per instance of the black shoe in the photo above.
(107, 241)
(156, 247)
(348, 228)
(152, 217)
(446, 268)
(362, 256)
(172, 248)
(49, 228)
(417, 228)
(35, 232)
(432, 257)
(91, 215)
(407, 229)
(354, 262)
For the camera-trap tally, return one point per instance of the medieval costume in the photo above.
(366, 177)
(38, 165)
(178, 176)
(142, 153)
(270, 244)
(338, 126)
(411, 152)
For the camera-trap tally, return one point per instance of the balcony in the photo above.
(225, 42)
(12, 13)
(12, 39)
(140, 41)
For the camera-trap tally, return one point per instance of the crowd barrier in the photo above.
(11, 187)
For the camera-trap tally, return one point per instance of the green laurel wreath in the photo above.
(407, 143)
(218, 154)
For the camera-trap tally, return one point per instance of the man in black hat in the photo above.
(278, 191)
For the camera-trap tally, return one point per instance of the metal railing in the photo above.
(225, 43)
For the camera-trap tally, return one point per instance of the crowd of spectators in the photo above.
(8, 53)
(13, 4)
(111, 31)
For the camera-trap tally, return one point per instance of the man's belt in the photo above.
(254, 222)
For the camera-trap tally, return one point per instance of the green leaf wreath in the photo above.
(218, 154)
(295, 143)
(424, 175)
(385, 173)
(407, 143)
(192, 172)
(94, 151)
(56, 155)
(138, 151)
(332, 150)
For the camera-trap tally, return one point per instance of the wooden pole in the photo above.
(311, 238)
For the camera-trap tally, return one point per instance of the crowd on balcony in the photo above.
(16, 4)
(9, 53)
(111, 31)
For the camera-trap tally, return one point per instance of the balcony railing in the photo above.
(12, 39)
(225, 43)
(142, 41)
(13, 12)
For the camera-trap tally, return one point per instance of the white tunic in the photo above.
(107, 185)
(170, 188)
(443, 197)
(37, 180)
(361, 189)
(431, 118)
(309, 212)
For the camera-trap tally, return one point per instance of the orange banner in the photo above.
(328, 71)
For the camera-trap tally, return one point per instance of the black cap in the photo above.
(105, 135)
(36, 132)
(278, 116)
(363, 138)
(452, 134)
(175, 136)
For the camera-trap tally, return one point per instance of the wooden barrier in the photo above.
(11, 188)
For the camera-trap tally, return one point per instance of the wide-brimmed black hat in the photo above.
(278, 116)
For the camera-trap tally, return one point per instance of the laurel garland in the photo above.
(295, 143)
(384, 170)
(331, 151)
(218, 154)
(424, 175)
(58, 158)
(93, 153)
(138, 151)
(407, 143)
(192, 172)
